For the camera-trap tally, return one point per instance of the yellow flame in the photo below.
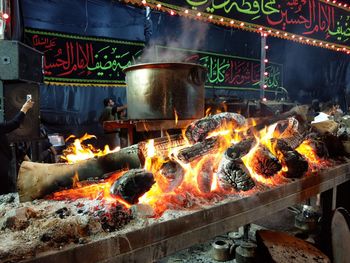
(77, 151)
(176, 117)
(207, 112)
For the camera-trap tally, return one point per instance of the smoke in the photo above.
(187, 33)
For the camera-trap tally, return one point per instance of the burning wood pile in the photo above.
(216, 157)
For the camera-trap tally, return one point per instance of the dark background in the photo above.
(309, 72)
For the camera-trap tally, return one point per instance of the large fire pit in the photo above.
(219, 174)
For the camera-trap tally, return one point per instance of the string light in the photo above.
(245, 26)
(5, 16)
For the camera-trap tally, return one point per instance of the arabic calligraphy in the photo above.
(342, 29)
(313, 18)
(70, 58)
(237, 72)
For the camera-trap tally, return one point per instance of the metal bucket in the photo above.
(157, 90)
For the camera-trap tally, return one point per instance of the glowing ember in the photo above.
(77, 151)
(93, 191)
(310, 155)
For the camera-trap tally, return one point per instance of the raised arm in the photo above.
(9, 126)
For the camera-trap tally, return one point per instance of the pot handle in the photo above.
(197, 76)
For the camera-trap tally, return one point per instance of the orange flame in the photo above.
(77, 151)
(92, 191)
(309, 153)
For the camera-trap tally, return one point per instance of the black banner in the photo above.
(83, 60)
(316, 19)
(228, 71)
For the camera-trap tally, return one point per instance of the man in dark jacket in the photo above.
(5, 149)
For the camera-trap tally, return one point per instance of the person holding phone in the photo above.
(5, 149)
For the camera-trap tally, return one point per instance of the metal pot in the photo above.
(157, 90)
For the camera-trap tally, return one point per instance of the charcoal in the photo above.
(113, 217)
(197, 150)
(265, 163)
(232, 173)
(173, 173)
(197, 131)
(240, 149)
(334, 145)
(294, 161)
(132, 185)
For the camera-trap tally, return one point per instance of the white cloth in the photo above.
(321, 117)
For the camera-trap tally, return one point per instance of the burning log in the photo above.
(173, 173)
(232, 173)
(240, 149)
(334, 145)
(35, 180)
(197, 131)
(199, 149)
(294, 161)
(318, 145)
(265, 163)
(133, 184)
(205, 175)
(288, 130)
(162, 145)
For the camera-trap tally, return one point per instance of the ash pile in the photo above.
(27, 229)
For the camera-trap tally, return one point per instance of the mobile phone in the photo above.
(29, 97)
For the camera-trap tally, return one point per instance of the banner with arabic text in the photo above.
(323, 20)
(225, 71)
(83, 60)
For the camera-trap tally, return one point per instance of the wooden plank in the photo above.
(164, 238)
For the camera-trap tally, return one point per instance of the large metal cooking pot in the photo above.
(157, 90)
